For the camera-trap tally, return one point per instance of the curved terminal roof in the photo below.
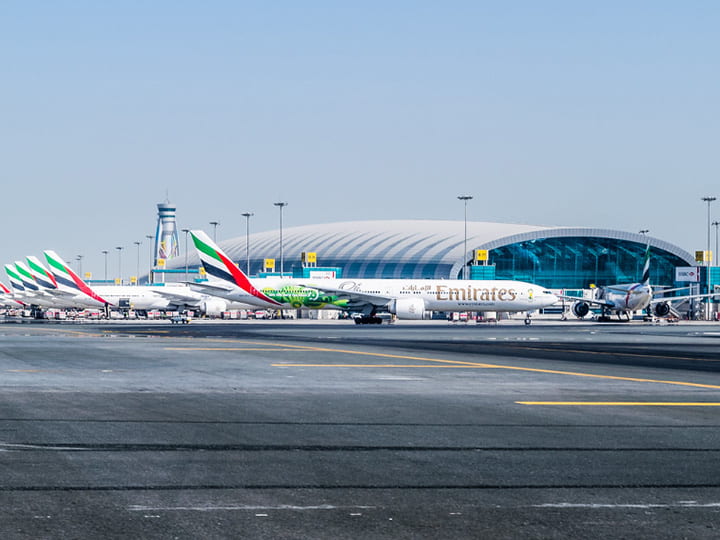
(419, 242)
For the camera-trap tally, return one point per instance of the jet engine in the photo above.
(662, 309)
(580, 309)
(213, 307)
(410, 308)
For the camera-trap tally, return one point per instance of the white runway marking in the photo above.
(679, 504)
(212, 508)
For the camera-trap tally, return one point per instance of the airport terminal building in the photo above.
(554, 257)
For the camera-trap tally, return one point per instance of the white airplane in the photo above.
(25, 287)
(7, 298)
(18, 291)
(162, 298)
(624, 299)
(44, 279)
(405, 298)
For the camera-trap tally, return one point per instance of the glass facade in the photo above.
(576, 262)
(389, 269)
(561, 262)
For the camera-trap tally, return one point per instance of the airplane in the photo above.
(623, 299)
(70, 283)
(404, 298)
(7, 298)
(25, 287)
(171, 297)
(15, 281)
(46, 281)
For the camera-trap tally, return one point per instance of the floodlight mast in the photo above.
(465, 199)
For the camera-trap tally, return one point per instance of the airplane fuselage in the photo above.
(630, 297)
(433, 295)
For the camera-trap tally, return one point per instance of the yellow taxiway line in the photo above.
(452, 363)
(458, 363)
(449, 363)
(229, 349)
(442, 363)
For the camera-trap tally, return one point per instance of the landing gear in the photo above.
(604, 317)
(527, 319)
(368, 320)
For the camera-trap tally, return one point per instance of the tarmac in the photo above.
(326, 429)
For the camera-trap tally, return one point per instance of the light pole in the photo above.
(79, 259)
(281, 205)
(708, 200)
(119, 250)
(186, 231)
(716, 223)
(150, 243)
(105, 252)
(137, 270)
(465, 199)
(247, 216)
(214, 224)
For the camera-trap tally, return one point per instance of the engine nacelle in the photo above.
(580, 309)
(409, 308)
(662, 309)
(213, 307)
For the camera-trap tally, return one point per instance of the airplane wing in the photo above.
(211, 289)
(624, 290)
(685, 297)
(594, 302)
(356, 300)
(61, 293)
(176, 296)
(663, 291)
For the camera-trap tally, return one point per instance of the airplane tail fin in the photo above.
(26, 276)
(219, 266)
(6, 295)
(646, 267)
(41, 274)
(15, 281)
(65, 276)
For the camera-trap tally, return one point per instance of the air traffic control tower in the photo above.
(166, 235)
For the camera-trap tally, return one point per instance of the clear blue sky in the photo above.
(569, 113)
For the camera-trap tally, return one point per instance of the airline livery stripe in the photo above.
(23, 272)
(64, 273)
(67, 282)
(44, 283)
(42, 275)
(218, 272)
(52, 262)
(205, 249)
(242, 281)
